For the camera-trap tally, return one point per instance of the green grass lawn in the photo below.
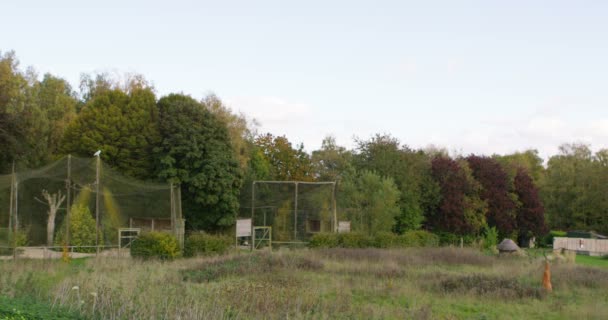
(592, 261)
(416, 283)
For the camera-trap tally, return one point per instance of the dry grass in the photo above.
(444, 283)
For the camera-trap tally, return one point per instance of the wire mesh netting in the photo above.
(95, 201)
(294, 210)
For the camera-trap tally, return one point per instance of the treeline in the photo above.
(213, 153)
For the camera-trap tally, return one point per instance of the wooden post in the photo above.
(334, 207)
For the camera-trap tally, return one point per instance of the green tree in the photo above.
(370, 201)
(239, 129)
(331, 161)
(411, 171)
(195, 152)
(124, 125)
(286, 162)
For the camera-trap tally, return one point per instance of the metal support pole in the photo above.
(10, 210)
(334, 209)
(97, 203)
(295, 215)
(252, 213)
(69, 201)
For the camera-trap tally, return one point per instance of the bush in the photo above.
(324, 240)
(82, 230)
(386, 240)
(206, 244)
(451, 239)
(159, 245)
(547, 240)
(419, 238)
(354, 240)
(490, 238)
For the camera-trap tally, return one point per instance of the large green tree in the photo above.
(332, 161)
(410, 169)
(369, 201)
(575, 187)
(286, 162)
(195, 152)
(123, 125)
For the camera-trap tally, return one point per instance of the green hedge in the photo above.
(547, 240)
(158, 245)
(206, 244)
(418, 238)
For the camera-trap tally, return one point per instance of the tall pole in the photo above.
(295, 216)
(97, 203)
(10, 210)
(252, 211)
(68, 186)
(333, 203)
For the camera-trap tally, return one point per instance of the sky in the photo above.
(471, 76)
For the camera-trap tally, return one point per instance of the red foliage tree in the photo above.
(495, 191)
(452, 180)
(531, 213)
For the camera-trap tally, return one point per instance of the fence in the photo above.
(594, 247)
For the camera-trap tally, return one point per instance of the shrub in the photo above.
(386, 240)
(354, 240)
(547, 240)
(324, 240)
(447, 238)
(419, 238)
(206, 244)
(490, 238)
(159, 245)
(82, 230)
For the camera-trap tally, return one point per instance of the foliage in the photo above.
(574, 189)
(409, 169)
(530, 212)
(413, 238)
(371, 201)
(159, 245)
(124, 125)
(490, 238)
(324, 240)
(547, 239)
(460, 210)
(331, 162)
(82, 230)
(195, 152)
(33, 114)
(206, 244)
(286, 162)
(495, 191)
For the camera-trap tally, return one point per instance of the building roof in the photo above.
(507, 245)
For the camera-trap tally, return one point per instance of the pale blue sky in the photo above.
(472, 76)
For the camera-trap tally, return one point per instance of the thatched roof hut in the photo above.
(507, 245)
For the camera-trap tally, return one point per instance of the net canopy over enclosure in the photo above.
(90, 197)
(295, 210)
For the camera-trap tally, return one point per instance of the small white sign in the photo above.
(243, 228)
(343, 226)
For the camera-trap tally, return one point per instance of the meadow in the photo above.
(412, 283)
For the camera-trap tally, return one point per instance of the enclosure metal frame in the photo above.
(266, 236)
(295, 218)
(177, 220)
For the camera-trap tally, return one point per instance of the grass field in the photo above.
(435, 283)
(592, 261)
